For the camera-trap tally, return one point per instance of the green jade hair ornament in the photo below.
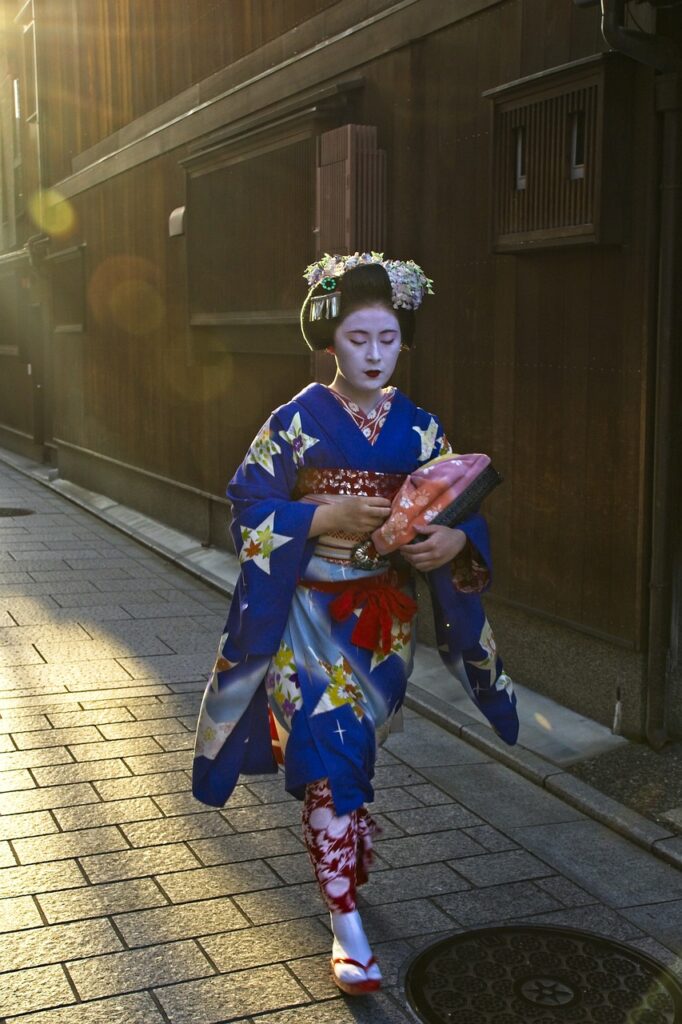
(409, 283)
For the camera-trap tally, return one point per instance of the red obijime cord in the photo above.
(381, 603)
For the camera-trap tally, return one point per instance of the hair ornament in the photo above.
(409, 283)
(325, 306)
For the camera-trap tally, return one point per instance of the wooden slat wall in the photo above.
(132, 392)
(539, 359)
(251, 222)
(133, 55)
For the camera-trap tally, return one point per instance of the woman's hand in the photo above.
(352, 514)
(440, 547)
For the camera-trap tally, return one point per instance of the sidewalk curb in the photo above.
(188, 554)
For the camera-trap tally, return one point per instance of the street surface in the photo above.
(124, 901)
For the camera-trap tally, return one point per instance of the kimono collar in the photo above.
(391, 450)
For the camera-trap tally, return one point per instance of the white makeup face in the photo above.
(367, 346)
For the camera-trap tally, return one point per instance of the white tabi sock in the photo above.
(350, 941)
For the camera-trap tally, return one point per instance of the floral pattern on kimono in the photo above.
(282, 654)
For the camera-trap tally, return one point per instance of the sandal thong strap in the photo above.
(354, 963)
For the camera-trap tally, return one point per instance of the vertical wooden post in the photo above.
(350, 203)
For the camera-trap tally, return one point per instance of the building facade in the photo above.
(168, 170)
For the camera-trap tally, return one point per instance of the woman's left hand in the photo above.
(440, 547)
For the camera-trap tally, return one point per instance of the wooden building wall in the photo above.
(106, 62)
(539, 359)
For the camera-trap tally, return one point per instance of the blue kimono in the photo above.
(287, 657)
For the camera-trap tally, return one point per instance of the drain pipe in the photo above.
(663, 54)
(666, 451)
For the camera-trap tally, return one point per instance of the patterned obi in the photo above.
(324, 486)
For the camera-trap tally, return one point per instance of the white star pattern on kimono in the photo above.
(428, 439)
(259, 543)
(299, 441)
(262, 450)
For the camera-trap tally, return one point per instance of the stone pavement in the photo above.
(124, 900)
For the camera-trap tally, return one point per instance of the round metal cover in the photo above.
(532, 974)
(4, 512)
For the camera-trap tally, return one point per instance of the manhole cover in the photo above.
(540, 975)
(15, 512)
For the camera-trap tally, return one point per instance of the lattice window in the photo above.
(560, 156)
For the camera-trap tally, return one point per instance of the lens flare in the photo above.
(125, 290)
(542, 721)
(52, 213)
(136, 306)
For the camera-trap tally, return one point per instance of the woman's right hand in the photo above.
(352, 514)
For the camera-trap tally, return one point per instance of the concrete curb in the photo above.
(219, 571)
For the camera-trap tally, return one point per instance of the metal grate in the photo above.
(540, 975)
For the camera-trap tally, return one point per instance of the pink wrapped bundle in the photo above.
(425, 494)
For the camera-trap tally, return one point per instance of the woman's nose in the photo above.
(373, 353)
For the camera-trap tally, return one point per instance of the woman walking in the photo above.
(317, 649)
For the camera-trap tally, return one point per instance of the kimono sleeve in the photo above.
(471, 570)
(465, 639)
(270, 533)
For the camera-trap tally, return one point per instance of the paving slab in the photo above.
(138, 969)
(380, 1009)
(55, 943)
(231, 849)
(181, 921)
(587, 852)
(100, 900)
(222, 880)
(34, 989)
(106, 867)
(18, 912)
(231, 996)
(407, 850)
(139, 1008)
(114, 812)
(35, 799)
(663, 920)
(63, 845)
(498, 795)
(145, 905)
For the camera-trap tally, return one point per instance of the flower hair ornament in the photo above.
(408, 281)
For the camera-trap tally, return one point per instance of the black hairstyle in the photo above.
(365, 285)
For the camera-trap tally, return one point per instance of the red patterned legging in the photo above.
(340, 846)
